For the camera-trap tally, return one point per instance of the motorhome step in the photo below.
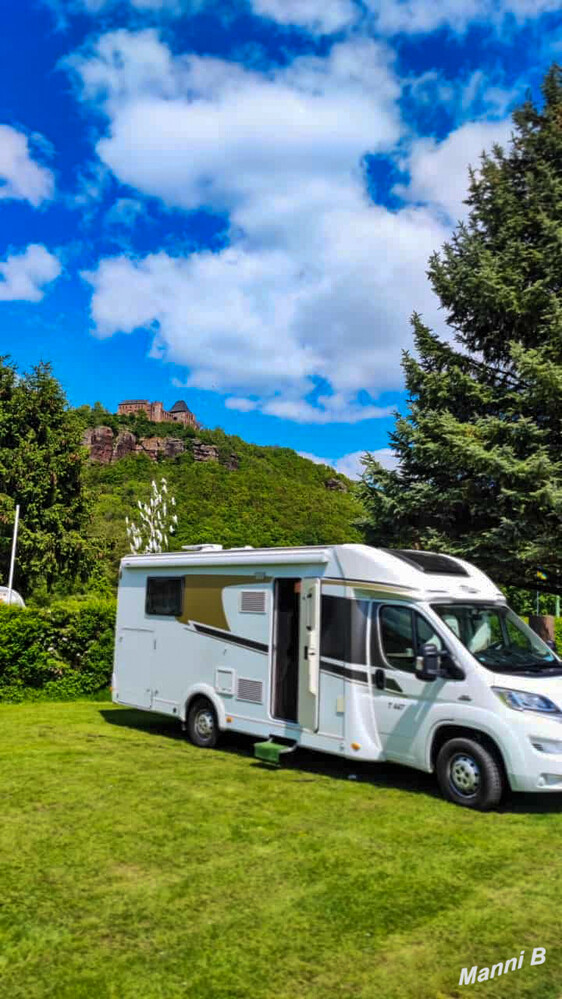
(270, 752)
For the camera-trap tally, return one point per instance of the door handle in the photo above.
(379, 679)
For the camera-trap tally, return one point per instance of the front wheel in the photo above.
(202, 725)
(469, 774)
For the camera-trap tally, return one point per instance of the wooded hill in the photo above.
(227, 491)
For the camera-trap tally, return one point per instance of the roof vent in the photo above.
(201, 548)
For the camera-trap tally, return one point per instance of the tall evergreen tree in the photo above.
(480, 448)
(41, 462)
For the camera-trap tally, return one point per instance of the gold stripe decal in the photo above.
(202, 598)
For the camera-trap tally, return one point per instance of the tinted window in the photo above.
(438, 565)
(397, 636)
(344, 629)
(403, 632)
(164, 595)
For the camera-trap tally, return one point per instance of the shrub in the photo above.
(61, 652)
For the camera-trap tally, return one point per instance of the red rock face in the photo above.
(124, 445)
(105, 448)
(99, 442)
(151, 446)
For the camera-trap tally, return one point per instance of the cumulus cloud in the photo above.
(320, 18)
(424, 16)
(352, 464)
(24, 276)
(311, 288)
(21, 177)
(325, 17)
(439, 170)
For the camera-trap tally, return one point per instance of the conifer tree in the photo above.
(480, 448)
(41, 461)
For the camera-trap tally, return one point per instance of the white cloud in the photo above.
(312, 286)
(424, 16)
(318, 17)
(352, 464)
(386, 457)
(439, 170)
(392, 17)
(24, 276)
(324, 17)
(21, 178)
(124, 212)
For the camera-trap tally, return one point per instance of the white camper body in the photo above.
(365, 653)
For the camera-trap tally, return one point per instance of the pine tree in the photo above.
(480, 448)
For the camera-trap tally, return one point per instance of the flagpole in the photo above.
(13, 557)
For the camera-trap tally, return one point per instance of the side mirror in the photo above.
(428, 664)
(552, 644)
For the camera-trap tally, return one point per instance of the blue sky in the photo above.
(233, 202)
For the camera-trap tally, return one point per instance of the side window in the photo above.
(164, 595)
(425, 634)
(397, 636)
(343, 629)
(403, 632)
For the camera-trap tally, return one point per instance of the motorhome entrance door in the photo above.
(309, 654)
(135, 652)
(286, 649)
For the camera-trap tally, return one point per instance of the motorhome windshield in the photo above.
(498, 639)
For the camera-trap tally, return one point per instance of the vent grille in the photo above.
(224, 681)
(250, 690)
(252, 601)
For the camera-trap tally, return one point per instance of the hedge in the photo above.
(58, 653)
(66, 650)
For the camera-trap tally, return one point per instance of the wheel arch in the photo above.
(446, 732)
(205, 690)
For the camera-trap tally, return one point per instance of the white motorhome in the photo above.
(366, 653)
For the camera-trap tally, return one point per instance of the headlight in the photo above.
(520, 700)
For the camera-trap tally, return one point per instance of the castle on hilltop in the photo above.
(179, 413)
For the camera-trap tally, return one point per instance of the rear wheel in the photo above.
(469, 774)
(202, 725)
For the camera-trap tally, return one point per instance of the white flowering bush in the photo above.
(157, 521)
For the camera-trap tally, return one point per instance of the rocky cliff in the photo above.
(106, 447)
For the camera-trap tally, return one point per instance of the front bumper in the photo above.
(540, 743)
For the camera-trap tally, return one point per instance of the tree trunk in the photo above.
(543, 626)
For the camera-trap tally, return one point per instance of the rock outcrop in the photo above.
(105, 447)
(125, 444)
(99, 441)
(204, 452)
(336, 484)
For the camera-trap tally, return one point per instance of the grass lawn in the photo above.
(135, 865)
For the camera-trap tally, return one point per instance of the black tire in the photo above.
(469, 774)
(202, 724)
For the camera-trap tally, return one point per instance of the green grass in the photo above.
(135, 865)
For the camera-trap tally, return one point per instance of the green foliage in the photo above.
(274, 497)
(41, 461)
(480, 453)
(58, 653)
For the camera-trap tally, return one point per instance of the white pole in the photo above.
(13, 558)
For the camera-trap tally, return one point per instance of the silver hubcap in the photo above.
(204, 723)
(464, 774)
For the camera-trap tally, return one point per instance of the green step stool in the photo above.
(270, 752)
